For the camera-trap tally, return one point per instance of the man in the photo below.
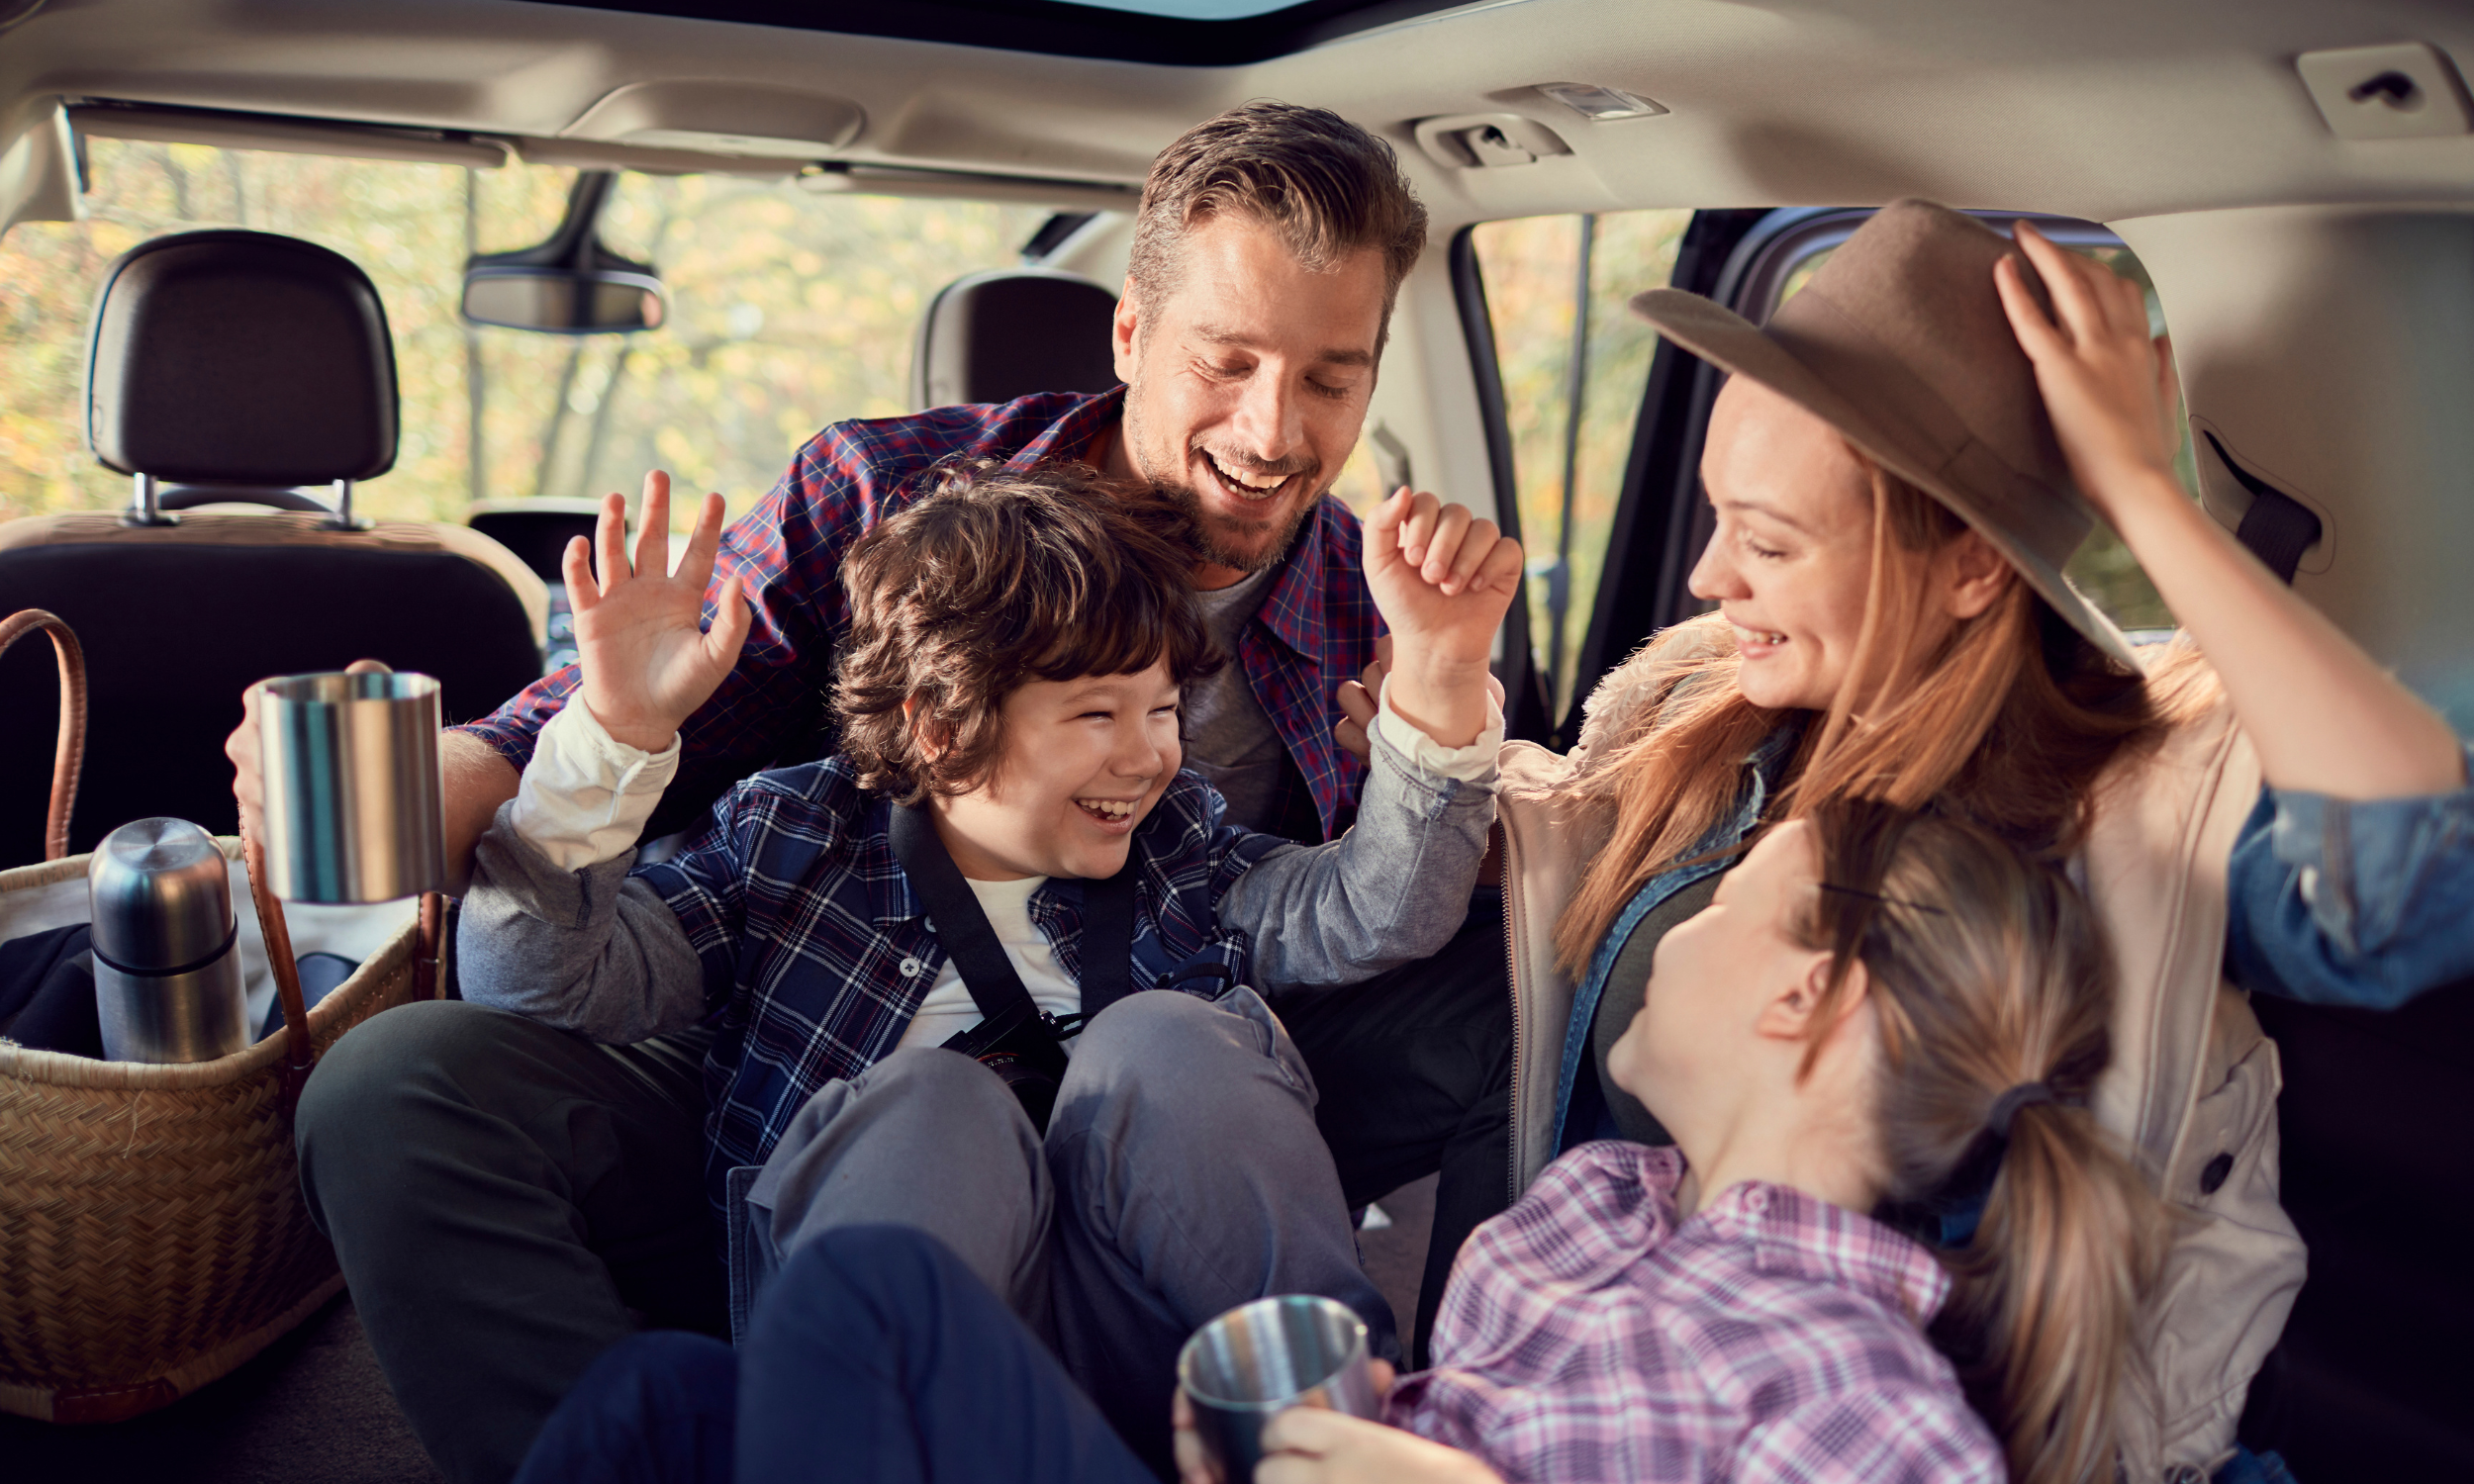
(1269, 247)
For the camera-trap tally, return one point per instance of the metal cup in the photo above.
(1264, 1357)
(166, 974)
(354, 809)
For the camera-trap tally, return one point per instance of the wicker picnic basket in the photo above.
(152, 1235)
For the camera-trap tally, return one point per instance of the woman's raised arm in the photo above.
(2324, 717)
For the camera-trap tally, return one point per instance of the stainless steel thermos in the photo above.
(166, 962)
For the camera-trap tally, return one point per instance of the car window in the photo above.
(1572, 401)
(790, 309)
(2103, 568)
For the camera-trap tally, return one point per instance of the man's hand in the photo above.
(248, 772)
(648, 665)
(1442, 580)
(1358, 699)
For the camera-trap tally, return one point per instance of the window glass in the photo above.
(1571, 417)
(2103, 568)
(789, 309)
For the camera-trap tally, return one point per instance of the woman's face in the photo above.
(1790, 563)
(1715, 976)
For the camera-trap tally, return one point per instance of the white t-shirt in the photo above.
(949, 1010)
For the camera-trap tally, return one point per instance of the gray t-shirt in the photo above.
(1229, 738)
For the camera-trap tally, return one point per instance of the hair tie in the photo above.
(2007, 1106)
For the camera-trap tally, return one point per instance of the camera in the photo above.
(1025, 1048)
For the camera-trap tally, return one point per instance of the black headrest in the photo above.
(995, 336)
(241, 357)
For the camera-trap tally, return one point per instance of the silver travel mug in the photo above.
(166, 969)
(1264, 1357)
(354, 809)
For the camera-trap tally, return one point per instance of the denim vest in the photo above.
(1764, 765)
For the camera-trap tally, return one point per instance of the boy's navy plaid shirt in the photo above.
(817, 953)
(1316, 627)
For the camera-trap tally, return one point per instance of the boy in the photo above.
(1010, 679)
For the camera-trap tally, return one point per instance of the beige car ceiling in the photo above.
(2097, 108)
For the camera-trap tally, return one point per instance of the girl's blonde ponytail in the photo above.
(1994, 996)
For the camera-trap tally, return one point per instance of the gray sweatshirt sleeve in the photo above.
(590, 951)
(1391, 890)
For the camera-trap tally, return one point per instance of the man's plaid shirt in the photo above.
(1316, 627)
(817, 953)
(1587, 1334)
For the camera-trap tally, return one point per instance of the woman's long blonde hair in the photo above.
(1986, 972)
(2013, 714)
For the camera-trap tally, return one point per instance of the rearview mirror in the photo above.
(569, 285)
(564, 301)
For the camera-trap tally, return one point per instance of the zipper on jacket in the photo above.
(1512, 985)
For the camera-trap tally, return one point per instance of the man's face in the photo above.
(1246, 386)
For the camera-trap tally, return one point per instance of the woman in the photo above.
(1900, 465)
(1875, 1007)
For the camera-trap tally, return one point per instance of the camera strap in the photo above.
(1107, 947)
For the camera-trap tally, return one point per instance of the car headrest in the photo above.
(241, 357)
(995, 336)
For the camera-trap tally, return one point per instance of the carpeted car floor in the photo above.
(313, 1408)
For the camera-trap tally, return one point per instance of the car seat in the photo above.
(998, 335)
(236, 366)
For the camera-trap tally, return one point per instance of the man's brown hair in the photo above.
(1329, 187)
(998, 578)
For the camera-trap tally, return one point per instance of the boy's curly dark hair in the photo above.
(998, 578)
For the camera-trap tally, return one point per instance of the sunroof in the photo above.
(1196, 10)
(1179, 33)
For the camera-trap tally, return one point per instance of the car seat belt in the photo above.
(1107, 947)
(2278, 529)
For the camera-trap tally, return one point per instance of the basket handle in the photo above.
(300, 1054)
(68, 760)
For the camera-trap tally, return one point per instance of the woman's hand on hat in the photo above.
(2107, 384)
(647, 661)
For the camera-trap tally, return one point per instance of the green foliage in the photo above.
(1531, 267)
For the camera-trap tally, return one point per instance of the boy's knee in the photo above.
(1178, 1048)
(1167, 1068)
(944, 1077)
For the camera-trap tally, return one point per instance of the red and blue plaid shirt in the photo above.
(1315, 630)
(1589, 1335)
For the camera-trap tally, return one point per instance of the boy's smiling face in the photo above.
(1085, 760)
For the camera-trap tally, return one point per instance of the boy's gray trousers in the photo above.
(507, 1199)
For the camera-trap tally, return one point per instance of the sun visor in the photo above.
(718, 117)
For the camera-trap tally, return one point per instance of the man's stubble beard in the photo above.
(1210, 530)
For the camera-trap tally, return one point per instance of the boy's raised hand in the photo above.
(647, 664)
(1442, 580)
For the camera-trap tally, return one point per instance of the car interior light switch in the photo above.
(2405, 90)
(1600, 105)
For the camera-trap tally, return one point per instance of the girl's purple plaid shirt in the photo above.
(1588, 1334)
(1316, 628)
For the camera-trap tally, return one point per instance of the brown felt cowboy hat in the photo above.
(1899, 342)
